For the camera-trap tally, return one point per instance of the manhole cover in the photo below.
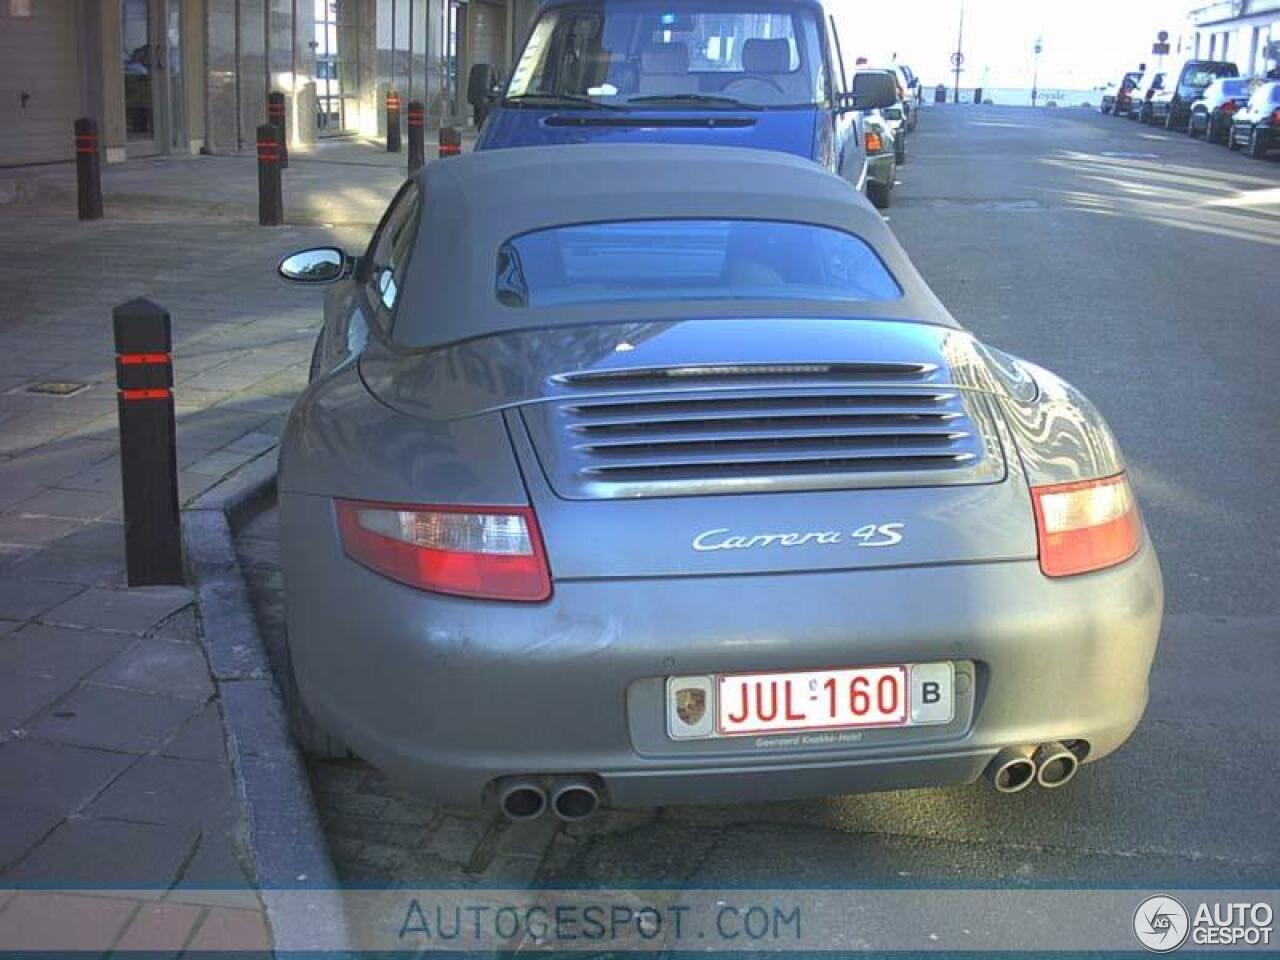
(57, 388)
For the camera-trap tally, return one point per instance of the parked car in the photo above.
(648, 474)
(1257, 126)
(882, 158)
(909, 94)
(895, 118)
(1120, 100)
(770, 76)
(1140, 99)
(1171, 104)
(1211, 114)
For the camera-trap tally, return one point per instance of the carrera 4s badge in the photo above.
(870, 535)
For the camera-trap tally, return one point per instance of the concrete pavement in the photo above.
(114, 771)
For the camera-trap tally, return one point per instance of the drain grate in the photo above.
(56, 388)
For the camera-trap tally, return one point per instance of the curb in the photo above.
(285, 842)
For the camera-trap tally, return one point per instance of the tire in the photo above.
(1257, 149)
(879, 194)
(1211, 133)
(900, 150)
(312, 739)
(1191, 127)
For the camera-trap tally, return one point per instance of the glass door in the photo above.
(151, 48)
(336, 110)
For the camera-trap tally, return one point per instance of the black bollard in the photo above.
(270, 189)
(417, 136)
(148, 451)
(393, 122)
(450, 142)
(276, 116)
(88, 169)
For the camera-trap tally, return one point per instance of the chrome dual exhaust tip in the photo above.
(1051, 765)
(1055, 765)
(570, 798)
(1012, 769)
(574, 799)
(521, 799)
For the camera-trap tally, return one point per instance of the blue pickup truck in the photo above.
(767, 74)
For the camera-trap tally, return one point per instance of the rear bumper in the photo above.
(882, 168)
(448, 694)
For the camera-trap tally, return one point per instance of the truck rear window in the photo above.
(689, 260)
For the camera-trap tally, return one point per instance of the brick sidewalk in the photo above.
(113, 767)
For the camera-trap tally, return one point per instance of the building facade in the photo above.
(185, 76)
(1246, 32)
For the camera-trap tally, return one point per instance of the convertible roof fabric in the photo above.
(474, 203)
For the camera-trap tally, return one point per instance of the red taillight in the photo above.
(494, 553)
(1230, 107)
(1086, 526)
(1275, 118)
(874, 144)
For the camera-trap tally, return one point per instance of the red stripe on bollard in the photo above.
(130, 359)
(156, 394)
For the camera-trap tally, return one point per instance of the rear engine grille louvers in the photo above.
(675, 443)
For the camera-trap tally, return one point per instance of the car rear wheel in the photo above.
(1256, 148)
(879, 194)
(900, 150)
(1211, 130)
(312, 739)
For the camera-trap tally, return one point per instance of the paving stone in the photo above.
(182, 626)
(26, 599)
(134, 611)
(216, 876)
(8, 626)
(75, 504)
(73, 566)
(20, 829)
(202, 738)
(98, 537)
(159, 666)
(108, 853)
(54, 777)
(62, 652)
(160, 929)
(455, 839)
(169, 790)
(220, 463)
(34, 531)
(114, 719)
(253, 443)
(237, 931)
(23, 696)
(37, 921)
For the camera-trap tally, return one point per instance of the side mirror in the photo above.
(480, 83)
(872, 90)
(317, 265)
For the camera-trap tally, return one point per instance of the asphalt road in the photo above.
(1145, 268)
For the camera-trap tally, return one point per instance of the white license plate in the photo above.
(897, 695)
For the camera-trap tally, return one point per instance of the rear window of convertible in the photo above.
(689, 260)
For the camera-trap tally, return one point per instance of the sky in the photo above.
(1085, 42)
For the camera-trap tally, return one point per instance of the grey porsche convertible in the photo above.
(653, 474)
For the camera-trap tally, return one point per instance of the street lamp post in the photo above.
(957, 58)
(1035, 71)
